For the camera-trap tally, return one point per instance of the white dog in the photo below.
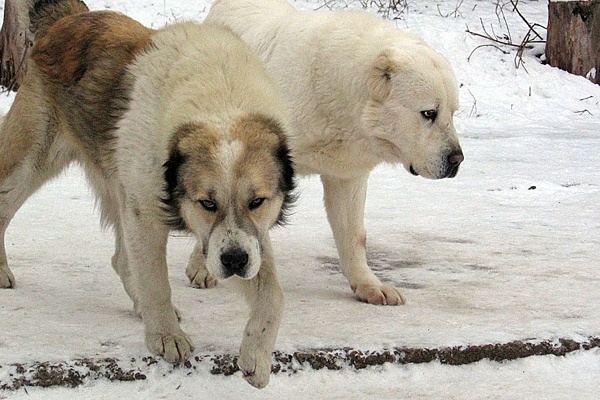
(179, 128)
(361, 93)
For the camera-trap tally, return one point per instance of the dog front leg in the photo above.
(265, 297)
(146, 241)
(196, 270)
(345, 205)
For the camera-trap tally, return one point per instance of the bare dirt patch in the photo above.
(77, 372)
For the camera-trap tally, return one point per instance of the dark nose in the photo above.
(454, 160)
(234, 261)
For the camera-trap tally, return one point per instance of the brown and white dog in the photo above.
(361, 93)
(177, 128)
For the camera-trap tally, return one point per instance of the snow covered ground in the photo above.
(507, 251)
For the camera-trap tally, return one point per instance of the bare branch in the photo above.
(486, 45)
(495, 40)
(456, 11)
(473, 111)
(506, 39)
(531, 26)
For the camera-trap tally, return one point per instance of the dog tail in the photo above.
(45, 13)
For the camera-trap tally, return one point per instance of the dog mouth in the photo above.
(452, 171)
(450, 164)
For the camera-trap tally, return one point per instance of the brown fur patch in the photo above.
(256, 128)
(45, 13)
(75, 44)
(262, 138)
(193, 146)
(196, 140)
(199, 144)
(267, 158)
(195, 170)
(82, 61)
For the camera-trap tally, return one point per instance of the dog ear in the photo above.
(173, 190)
(287, 181)
(379, 82)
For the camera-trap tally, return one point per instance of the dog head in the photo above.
(229, 189)
(413, 97)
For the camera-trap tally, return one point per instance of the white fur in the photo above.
(356, 87)
(216, 95)
(222, 239)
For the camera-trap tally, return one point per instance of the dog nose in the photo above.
(234, 261)
(454, 160)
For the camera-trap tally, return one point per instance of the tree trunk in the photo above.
(574, 37)
(15, 42)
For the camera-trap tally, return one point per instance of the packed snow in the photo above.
(506, 251)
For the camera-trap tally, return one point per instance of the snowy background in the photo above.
(507, 251)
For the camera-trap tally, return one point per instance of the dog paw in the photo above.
(382, 294)
(256, 367)
(7, 279)
(200, 278)
(174, 348)
(138, 312)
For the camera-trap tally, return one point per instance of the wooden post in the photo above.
(574, 37)
(15, 42)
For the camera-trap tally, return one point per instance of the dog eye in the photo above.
(429, 115)
(254, 204)
(208, 205)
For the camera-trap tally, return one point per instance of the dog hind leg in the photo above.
(30, 155)
(107, 200)
(120, 264)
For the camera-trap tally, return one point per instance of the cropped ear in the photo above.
(381, 74)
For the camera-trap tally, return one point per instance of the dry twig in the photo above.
(531, 38)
